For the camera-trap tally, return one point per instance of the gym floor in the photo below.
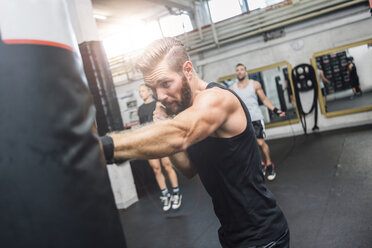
(346, 103)
(323, 185)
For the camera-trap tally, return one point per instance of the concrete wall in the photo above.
(298, 45)
(129, 93)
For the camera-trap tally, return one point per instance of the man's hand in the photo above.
(159, 112)
(281, 113)
(278, 112)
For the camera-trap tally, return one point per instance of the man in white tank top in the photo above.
(249, 91)
(322, 79)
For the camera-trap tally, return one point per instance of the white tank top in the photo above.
(249, 97)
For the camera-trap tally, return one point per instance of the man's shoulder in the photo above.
(215, 96)
(215, 90)
(232, 86)
(256, 85)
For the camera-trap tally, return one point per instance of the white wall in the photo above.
(297, 46)
(127, 93)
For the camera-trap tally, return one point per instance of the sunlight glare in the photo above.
(131, 35)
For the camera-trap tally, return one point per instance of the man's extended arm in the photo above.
(266, 101)
(208, 112)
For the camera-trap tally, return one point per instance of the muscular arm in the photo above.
(266, 101)
(208, 112)
(261, 94)
(181, 159)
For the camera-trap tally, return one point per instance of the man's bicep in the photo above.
(260, 93)
(203, 118)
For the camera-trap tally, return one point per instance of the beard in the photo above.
(185, 99)
(241, 78)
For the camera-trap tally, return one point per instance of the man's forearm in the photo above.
(154, 141)
(268, 104)
(182, 162)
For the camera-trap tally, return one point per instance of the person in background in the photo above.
(145, 114)
(354, 79)
(249, 91)
(323, 79)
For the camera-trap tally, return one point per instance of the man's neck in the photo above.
(243, 83)
(197, 86)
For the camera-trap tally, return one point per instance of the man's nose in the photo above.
(161, 94)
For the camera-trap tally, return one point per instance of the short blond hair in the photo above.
(144, 85)
(167, 48)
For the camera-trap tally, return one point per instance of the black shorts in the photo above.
(323, 91)
(259, 129)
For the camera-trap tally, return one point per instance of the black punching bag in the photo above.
(54, 187)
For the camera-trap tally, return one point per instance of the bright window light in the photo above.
(272, 2)
(175, 25)
(100, 17)
(223, 9)
(130, 36)
(135, 35)
(256, 4)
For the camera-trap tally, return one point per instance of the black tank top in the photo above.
(145, 112)
(354, 76)
(230, 169)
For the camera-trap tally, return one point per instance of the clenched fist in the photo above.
(159, 112)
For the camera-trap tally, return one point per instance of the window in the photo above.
(257, 4)
(132, 35)
(174, 25)
(223, 9)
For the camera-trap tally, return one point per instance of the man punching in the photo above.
(208, 132)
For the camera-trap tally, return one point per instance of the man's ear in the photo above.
(188, 70)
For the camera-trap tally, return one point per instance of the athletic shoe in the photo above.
(167, 202)
(176, 201)
(270, 172)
